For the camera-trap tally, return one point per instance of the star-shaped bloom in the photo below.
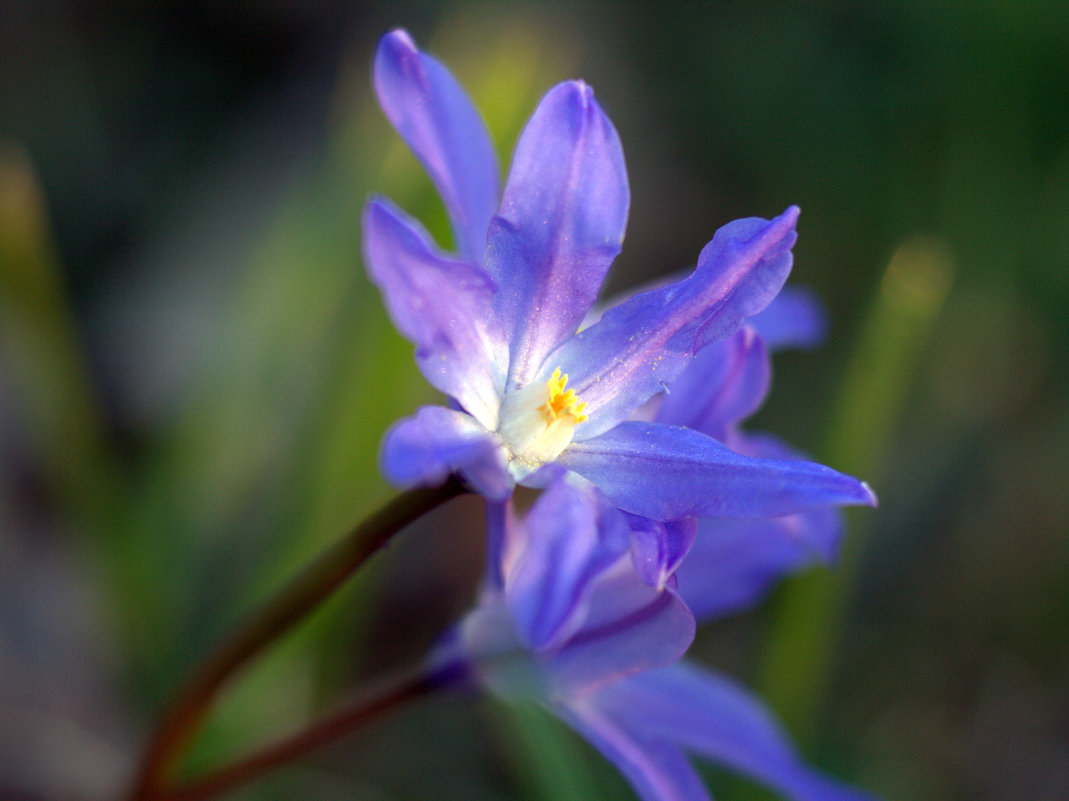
(566, 622)
(496, 324)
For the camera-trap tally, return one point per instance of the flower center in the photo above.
(537, 423)
(561, 402)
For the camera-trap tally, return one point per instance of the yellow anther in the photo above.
(562, 402)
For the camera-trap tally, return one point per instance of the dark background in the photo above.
(195, 373)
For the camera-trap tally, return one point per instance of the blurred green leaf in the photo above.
(809, 610)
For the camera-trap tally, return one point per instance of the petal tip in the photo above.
(398, 39)
(576, 91)
(777, 233)
(869, 495)
(396, 55)
(788, 219)
(374, 206)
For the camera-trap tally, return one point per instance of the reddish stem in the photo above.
(277, 615)
(366, 707)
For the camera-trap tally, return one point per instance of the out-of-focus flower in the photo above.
(562, 610)
(496, 324)
(566, 622)
(737, 558)
(734, 561)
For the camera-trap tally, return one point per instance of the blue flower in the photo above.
(566, 622)
(734, 561)
(723, 385)
(496, 324)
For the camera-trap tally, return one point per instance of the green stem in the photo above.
(280, 613)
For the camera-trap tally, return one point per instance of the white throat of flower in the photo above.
(537, 423)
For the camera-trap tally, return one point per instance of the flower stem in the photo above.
(375, 700)
(276, 616)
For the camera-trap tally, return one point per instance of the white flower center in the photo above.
(537, 423)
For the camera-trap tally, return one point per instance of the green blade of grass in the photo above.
(809, 610)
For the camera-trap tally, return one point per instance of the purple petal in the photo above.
(709, 715)
(795, 319)
(435, 117)
(656, 769)
(819, 529)
(733, 563)
(504, 535)
(441, 304)
(561, 224)
(723, 385)
(425, 449)
(630, 627)
(640, 347)
(669, 472)
(657, 548)
(573, 535)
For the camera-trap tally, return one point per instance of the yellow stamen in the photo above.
(562, 402)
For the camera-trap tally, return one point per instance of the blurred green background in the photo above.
(195, 373)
